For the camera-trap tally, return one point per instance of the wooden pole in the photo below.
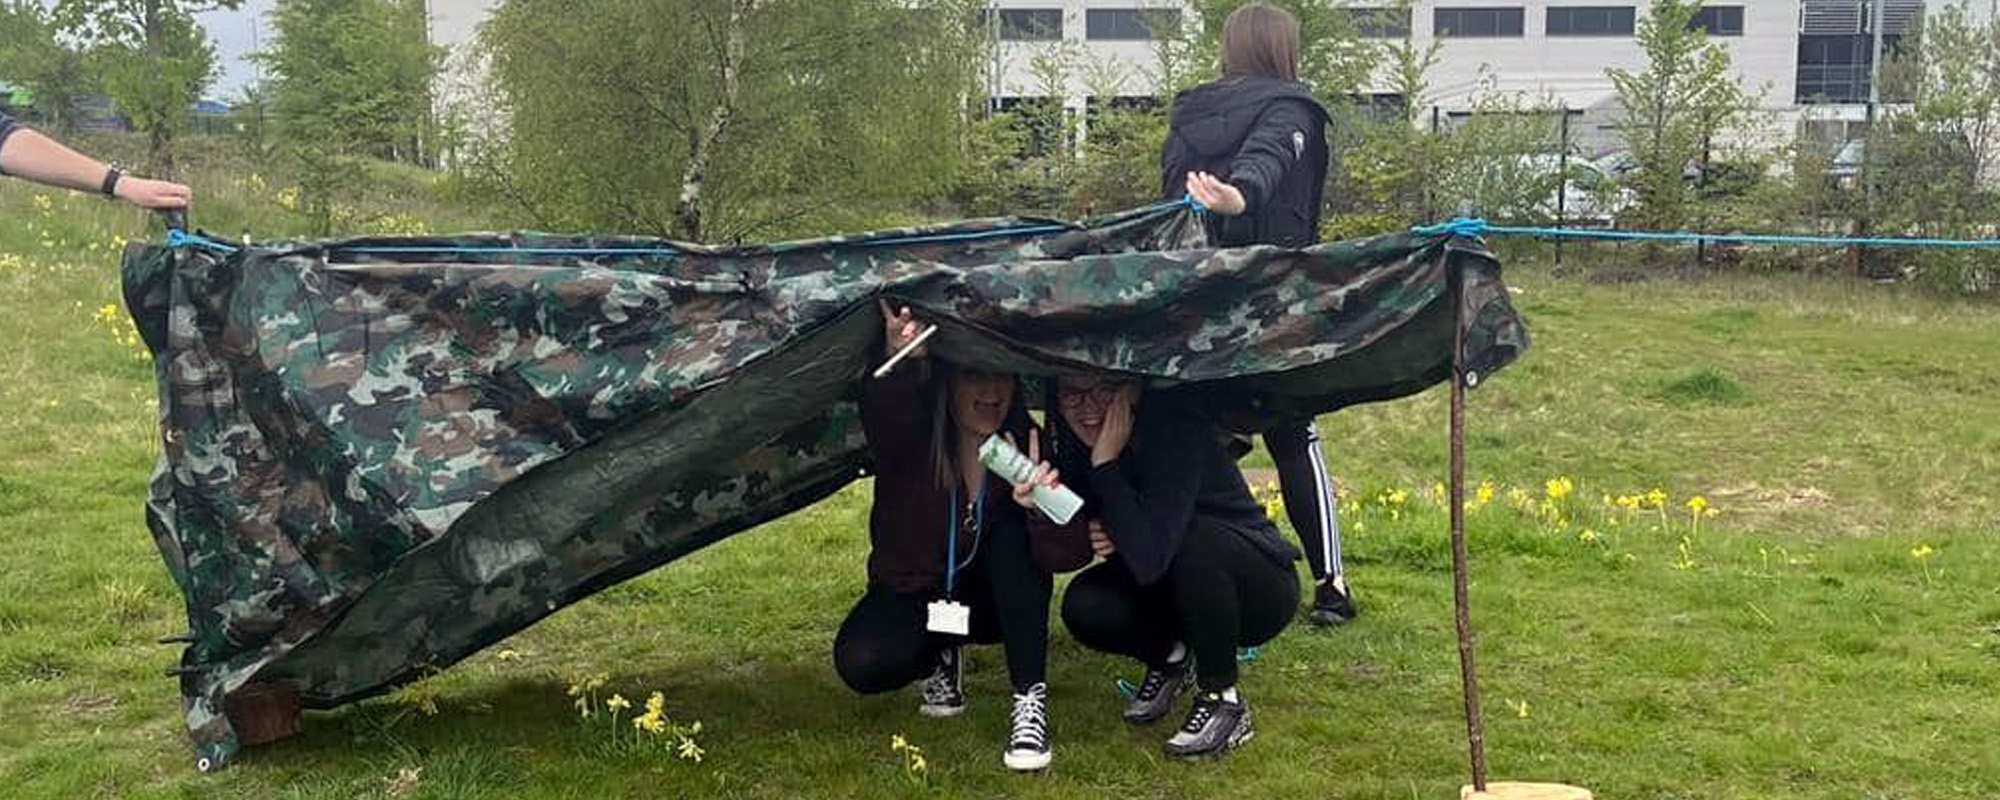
(1475, 728)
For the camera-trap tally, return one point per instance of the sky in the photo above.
(236, 34)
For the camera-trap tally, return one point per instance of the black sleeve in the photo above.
(7, 128)
(1174, 166)
(1274, 145)
(1146, 504)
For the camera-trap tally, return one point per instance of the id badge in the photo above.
(952, 617)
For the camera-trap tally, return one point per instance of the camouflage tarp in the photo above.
(381, 455)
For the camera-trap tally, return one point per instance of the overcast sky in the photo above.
(235, 34)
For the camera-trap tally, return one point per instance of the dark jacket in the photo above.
(1173, 470)
(7, 128)
(1264, 136)
(911, 516)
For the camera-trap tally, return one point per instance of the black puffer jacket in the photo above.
(1264, 136)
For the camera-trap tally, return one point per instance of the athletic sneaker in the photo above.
(1331, 606)
(943, 696)
(1157, 693)
(1028, 747)
(1214, 726)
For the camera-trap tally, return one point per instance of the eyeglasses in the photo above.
(1097, 396)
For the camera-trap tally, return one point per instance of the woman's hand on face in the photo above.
(1116, 432)
(1100, 542)
(1219, 197)
(900, 329)
(1045, 475)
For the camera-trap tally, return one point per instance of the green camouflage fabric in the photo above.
(381, 455)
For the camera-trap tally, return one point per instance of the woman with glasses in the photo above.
(950, 558)
(1193, 570)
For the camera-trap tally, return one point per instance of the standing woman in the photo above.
(1193, 569)
(1252, 148)
(943, 530)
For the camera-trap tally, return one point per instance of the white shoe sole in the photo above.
(940, 711)
(1028, 761)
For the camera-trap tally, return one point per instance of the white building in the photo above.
(1807, 59)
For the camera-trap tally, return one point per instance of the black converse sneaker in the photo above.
(943, 696)
(1028, 747)
(1214, 726)
(1157, 693)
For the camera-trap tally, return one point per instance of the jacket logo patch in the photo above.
(1298, 144)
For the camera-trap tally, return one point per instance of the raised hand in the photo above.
(1045, 475)
(1117, 429)
(1219, 197)
(900, 329)
(152, 194)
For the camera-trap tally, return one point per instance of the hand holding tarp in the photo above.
(1216, 195)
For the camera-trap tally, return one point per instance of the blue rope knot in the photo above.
(1463, 226)
(179, 240)
(1194, 204)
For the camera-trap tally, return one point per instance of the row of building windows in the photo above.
(1140, 24)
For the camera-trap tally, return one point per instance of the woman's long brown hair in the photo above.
(1261, 40)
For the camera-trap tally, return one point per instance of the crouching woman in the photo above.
(945, 533)
(1193, 570)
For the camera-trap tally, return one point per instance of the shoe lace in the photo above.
(1031, 716)
(1150, 688)
(942, 685)
(1204, 708)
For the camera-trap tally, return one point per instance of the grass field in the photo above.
(1832, 631)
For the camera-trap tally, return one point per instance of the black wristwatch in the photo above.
(110, 187)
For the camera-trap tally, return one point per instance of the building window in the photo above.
(1590, 20)
(1031, 24)
(1718, 20)
(1834, 69)
(1131, 24)
(1378, 23)
(1477, 22)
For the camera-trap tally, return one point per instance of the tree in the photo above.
(1684, 98)
(349, 79)
(1936, 163)
(34, 52)
(726, 120)
(155, 61)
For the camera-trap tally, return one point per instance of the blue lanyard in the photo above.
(951, 544)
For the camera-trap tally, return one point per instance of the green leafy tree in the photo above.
(1674, 108)
(726, 120)
(1936, 162)
(153, 59)
(350, 79)
(34, 53)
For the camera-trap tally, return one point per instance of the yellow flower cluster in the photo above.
(123, 330)
(654, 722)
(1560, 489)
(913, 756)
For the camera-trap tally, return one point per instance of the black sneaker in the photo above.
(1213, 726)
(943, 696)
(1331, 606)
(1028, 748)
(1157, 693)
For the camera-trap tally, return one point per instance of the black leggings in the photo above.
(1220, 594)
(884, 645)
(1309, 497)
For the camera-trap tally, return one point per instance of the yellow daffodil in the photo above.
(690, 751)
(1697, 504)
(1922, 552)
(618, 703)
(898, 743)
(656, 704)
(1560, 488)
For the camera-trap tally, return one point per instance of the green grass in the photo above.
(1796, 648)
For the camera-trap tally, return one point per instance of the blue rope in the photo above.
(179, 239)
(1480, 227)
